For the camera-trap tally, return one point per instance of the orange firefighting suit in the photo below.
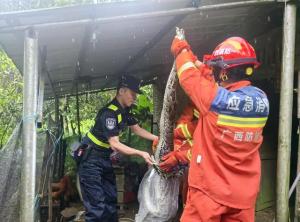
(224, 172)
(183, 140)
(185, 127)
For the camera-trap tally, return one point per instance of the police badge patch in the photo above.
(110, 123)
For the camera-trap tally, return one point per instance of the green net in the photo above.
(10, 174)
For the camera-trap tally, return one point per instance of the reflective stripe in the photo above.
(119, 118)
(189, 154)
(185, 130)
(241, 121)
(184, 67)
(96, 141)
(196, 113)
(190, 142)
(113, 107)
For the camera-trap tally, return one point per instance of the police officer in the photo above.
(97, 179)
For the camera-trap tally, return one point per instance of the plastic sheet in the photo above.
(158, 198)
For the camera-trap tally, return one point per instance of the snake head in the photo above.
(180, 33)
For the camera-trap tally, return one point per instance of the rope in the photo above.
(54, 144)
(29, 117)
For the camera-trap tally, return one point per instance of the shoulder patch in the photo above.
(245, 102)
(110, 123)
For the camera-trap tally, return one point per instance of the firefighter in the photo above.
(183, 141)
(224, 174)
(97, 179)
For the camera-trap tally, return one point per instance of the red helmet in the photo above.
(234, 51)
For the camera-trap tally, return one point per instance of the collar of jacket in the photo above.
(117, 104)
(236, 85)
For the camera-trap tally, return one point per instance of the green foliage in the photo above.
(143, 108)
(89, 105)
(70, 164)
(11, 88)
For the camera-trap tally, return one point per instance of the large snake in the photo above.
(158, 196)
(167, 120)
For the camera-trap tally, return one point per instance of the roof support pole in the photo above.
(56, 101)
(57, 132)
(77, 112)
(285, 113)
(40, 99)
(297, 201)
(30, 79)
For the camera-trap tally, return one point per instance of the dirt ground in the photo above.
(266, 215)
(130, 210)
(127, 213)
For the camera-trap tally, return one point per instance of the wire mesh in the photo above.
(10, 174)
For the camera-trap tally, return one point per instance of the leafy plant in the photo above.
(11, 87)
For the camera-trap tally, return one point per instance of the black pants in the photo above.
(98, 187)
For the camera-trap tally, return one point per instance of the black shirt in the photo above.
(112, 119)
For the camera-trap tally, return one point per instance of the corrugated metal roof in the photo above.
(95, 44)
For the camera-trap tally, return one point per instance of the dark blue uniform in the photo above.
(97, 179)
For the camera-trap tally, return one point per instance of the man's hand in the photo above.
(154, 144)
(146, 157)
(179, 45)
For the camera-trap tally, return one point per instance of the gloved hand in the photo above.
(172, 159)
(198, 63)
(178, 45)
(194, 58)
(154, 144)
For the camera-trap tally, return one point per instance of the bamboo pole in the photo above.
(49, 185)
(297, 199)
(56, 147)
(77, 112)
(40, 100)
(285, 115)
(30, 78)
